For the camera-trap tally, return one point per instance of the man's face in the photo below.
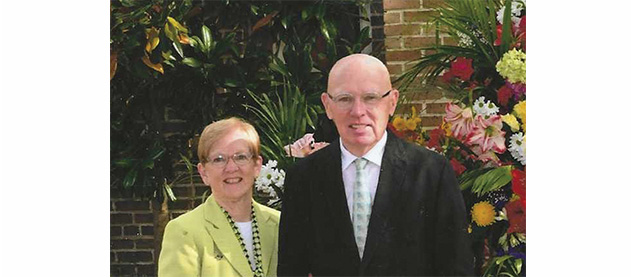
(360, 124)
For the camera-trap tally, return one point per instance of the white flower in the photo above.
(485, 108)
(517, 147)
(516, 8)
(464, 40)
(269, 177)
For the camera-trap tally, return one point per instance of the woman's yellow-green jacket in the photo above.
(202, 243)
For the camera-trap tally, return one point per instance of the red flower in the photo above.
(503, 94)
(462, 67)
(447, 76)
(458, 167)
(516, 217)
(519, 185)
(435, 137)
(498, 40)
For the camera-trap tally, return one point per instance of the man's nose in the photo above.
(359, 107)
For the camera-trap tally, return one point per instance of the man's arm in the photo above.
(454, 256)
(293, 259)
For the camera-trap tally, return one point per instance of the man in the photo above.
(370, 203)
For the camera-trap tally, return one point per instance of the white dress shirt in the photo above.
(374, 157)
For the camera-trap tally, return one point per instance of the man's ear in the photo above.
(325, 101)
(395, 100)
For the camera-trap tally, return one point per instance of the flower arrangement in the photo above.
(408, 128)
(269, 184)
(483, 133)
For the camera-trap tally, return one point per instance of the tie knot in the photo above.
(360, 163)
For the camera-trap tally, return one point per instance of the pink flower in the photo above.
(304, 146)
(488, 156)
(488, 134)
(461, 120)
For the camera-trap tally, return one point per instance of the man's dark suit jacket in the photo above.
(417, 227)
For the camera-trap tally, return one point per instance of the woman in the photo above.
(230, 234)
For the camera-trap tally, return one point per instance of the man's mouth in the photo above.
(233, 180)
(359, 126)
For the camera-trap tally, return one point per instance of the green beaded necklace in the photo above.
(256, 241)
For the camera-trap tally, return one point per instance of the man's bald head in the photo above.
(351, 64)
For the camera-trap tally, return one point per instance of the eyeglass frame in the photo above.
(336, 102)
(230, 157)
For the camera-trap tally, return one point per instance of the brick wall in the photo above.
(406, 32)
(134, 237)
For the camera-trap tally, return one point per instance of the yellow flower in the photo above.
(483, 213)
(153, 39)
(398, 123)
(446, 126)
(511, 120)
(411, 123)
(520, 110)
(523, 125)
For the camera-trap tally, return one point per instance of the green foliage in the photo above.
(177, 66)
(475, 21)
(283, 119)
(492, 180)
(503, 266)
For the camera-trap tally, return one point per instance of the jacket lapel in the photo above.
(333, 187)
(392, 174)
(224, 238)
(268, 241)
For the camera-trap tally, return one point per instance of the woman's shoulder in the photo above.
(269, 212)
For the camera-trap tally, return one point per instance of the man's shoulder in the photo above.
(412, 151)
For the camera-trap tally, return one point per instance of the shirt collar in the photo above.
(374, 155)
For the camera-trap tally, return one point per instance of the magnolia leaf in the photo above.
(170, 32)
(178, 48)
(207, 37)
(264, 21)
(125, 162)
(113, 64)
(231, 83)
(155, 66)
(492, 180)
(518, 264)
(192, 62)
(177, 25)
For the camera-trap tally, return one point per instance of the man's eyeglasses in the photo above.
(221, 160)
(345, 101)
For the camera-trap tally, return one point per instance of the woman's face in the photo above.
(232, 182)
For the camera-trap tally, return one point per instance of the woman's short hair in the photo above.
(218, 129)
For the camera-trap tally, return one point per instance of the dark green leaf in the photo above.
(192, 62)
(130, 178)
(125, 162)
(178, 48)
(207, 37)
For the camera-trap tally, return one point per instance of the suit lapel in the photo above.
(392, 173)
(268, 242)
(333, 187)
(224, 238)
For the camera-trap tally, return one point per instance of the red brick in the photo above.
(121, 244)
(418, 16)
(395, 69)
(435, 108)
(402, 30)
(403, 55)
(143, 218)
(392, 17)
(120, 218)
(406, 108)
(401, 4)
(431, 121)
(147, 230)
(132, 205)
(116, 231)
(112, 257)
(135, 256)
(131, 231)
(418, 42)
(432, 4)
(122, 270)
(146, 270)
(393, 43)
(425, 94)
(450, 41)
(144, 243)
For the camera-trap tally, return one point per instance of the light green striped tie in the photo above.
(361, 205)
